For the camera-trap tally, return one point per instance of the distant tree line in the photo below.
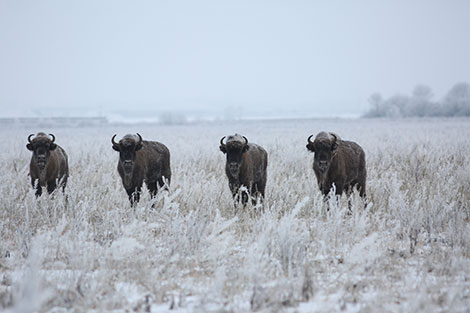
(420, 103)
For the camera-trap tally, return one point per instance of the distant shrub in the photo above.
(420, 104)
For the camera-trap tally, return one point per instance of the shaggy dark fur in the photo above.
(49, 163)
(139, 161)
(338, 162)
(246, 166)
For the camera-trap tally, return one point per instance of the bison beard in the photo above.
(49, 163)
(139, 161)
(338, 162)
(245, 167)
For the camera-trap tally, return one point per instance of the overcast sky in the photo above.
(324, 57)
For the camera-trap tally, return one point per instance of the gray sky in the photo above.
(323, 57)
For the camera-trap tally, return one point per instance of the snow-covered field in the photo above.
(189, 250)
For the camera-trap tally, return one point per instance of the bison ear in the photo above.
(310, 147)
(334, 146)
(52, 146)
(116, 148)
(29, 147)
(245, 148)
(138, 147)
(222, 148)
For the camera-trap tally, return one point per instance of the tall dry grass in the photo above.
(407, 249)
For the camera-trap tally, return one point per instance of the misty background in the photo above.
(184, 60)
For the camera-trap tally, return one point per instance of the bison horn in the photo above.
(53, 137)
(140, 139)
(308, 139)
(112, 140)
(29, 138)
(334, 136)
(246, 140)
(222, 141)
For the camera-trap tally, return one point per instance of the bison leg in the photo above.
(134, 195)
(163, 182)
(63, 183)
(340, 189)
(362, 189)
(37, 186)
(327, 193)
(245, 197)
(360, 186)
(260, 188)
(38, 191)
(51, 185)
(153, 188)
(234, 188)
(257, 192)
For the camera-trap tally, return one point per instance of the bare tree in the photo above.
(420, 104)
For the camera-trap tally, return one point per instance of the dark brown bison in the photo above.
(338, 162)
(139, 161)
(49, 163)
(246, 166)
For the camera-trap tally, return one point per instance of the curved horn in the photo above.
(29, 138)
(246, 140)
(53, 137)
(140, 139)
(222, 141)
(308, 139)
(112, 140)
(334, 136)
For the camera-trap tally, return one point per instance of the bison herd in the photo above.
(338, 165)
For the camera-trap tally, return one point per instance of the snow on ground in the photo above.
(190, 250)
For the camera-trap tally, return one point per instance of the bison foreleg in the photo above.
(38, 190)
(134, 195)
(245, 197)
(51, 185)
(340, 189)
(63, 183)
(37, 186)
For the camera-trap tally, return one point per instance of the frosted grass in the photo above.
(407, 249)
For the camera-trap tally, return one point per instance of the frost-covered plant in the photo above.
(191, 249)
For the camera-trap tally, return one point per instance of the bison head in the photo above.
(41, 146)
(324, 146)
(127, 148)
(234, 148)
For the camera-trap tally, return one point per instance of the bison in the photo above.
(338, 162)
(49, 163)
(139, 161)
(246, 166)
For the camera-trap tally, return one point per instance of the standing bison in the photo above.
(139, 161)
(338, 162)
(246, 166)
(49, 163)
